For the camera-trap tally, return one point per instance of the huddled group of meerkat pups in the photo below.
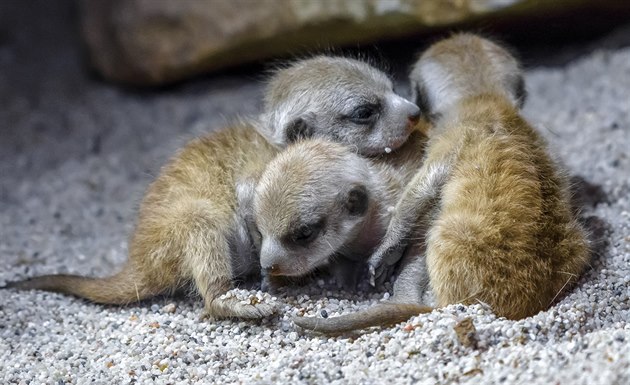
(455, 192)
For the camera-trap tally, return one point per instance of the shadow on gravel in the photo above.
(585, 196)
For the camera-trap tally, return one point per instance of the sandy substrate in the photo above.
(76, 155)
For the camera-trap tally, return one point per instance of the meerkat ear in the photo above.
(297, 129)
(357, 200)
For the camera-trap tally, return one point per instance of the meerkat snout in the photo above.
(411, 110)
(403, 107)
(273, 257)
(414, 116)
(274, 269)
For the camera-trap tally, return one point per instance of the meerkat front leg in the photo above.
(413, 212)
(215, 279)
(199, 231)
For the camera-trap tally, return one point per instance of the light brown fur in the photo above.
(505, 234)
(501, 230)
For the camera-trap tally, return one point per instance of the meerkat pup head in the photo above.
(461, 66)
(345, 100)
(311, 200)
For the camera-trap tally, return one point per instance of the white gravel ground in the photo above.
(76, 155)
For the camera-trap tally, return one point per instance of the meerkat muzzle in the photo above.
(273, 270)
(414, 117)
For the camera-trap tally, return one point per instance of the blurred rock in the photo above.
(152, 42)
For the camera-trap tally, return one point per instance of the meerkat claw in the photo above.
(386, 256)
(372, 274)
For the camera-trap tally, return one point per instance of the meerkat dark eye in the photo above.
(307, 233)
(303, 233)
(364, 113)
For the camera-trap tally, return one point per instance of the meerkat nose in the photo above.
(414, 116)
(273, 269)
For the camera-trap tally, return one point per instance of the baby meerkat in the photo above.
(500, 226)
(186, 231)
(194, 227)
(393, 170)
(319, 201)
(339, 99)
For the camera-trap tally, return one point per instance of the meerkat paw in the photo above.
(381, 264)
(233, 307)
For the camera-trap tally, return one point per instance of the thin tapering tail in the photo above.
(382, 314)
(119, 289)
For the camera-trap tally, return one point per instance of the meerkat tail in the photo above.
(119, 289)
(383, 314)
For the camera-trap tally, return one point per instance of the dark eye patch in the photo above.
(304, 233)
(364, 113)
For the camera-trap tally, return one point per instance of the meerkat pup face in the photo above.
(311, 200)
(344, 100)
(461, 66)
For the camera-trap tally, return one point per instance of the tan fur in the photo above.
(501, 231)
(505, 235)
(184, 227)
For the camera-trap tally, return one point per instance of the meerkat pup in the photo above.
(194, 228)
(361, 108)
(500, 227)
(319, 201)
(187, 231)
